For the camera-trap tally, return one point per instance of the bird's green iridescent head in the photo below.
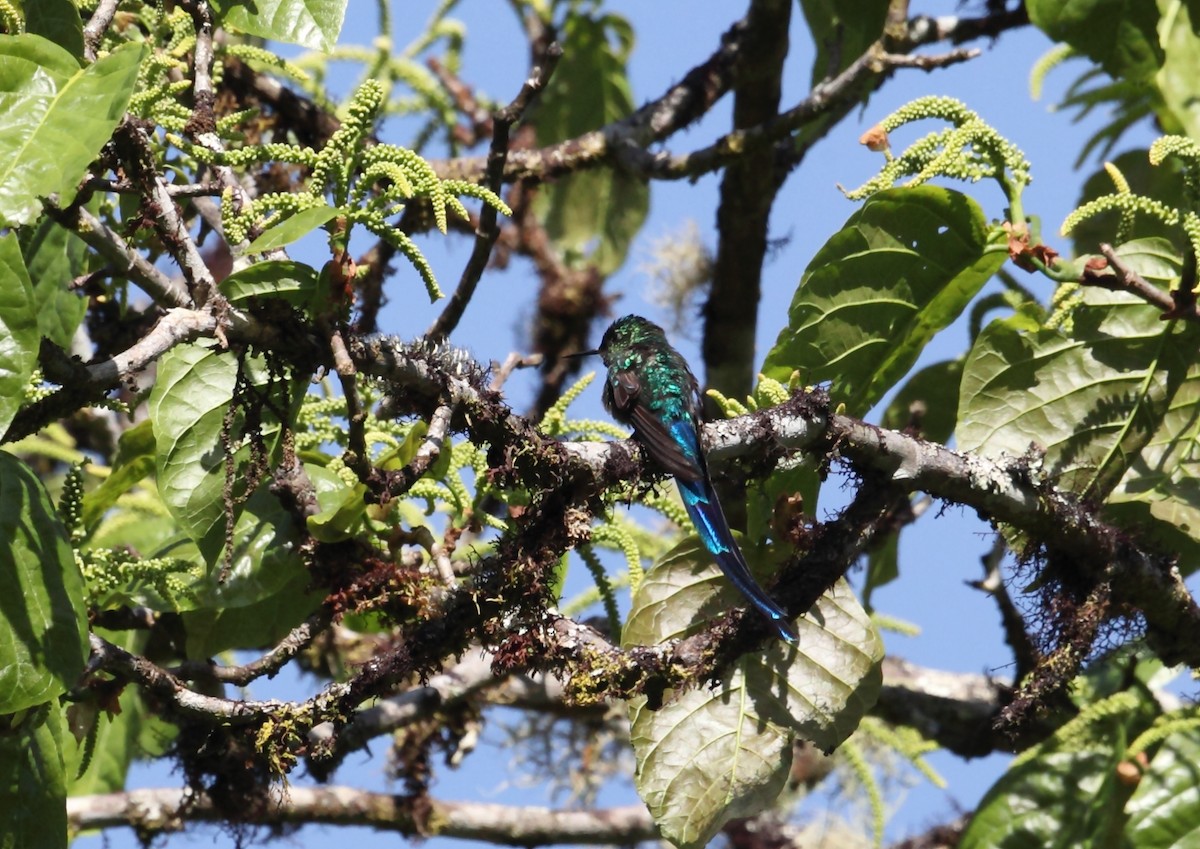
(631, 331)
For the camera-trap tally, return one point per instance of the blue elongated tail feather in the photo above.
(708, 517)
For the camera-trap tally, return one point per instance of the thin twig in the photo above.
(486, 235)
(1123, 278)
(270, 663)
(663, 165)
(123, 257)
(137, 146)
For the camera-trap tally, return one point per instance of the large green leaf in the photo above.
(133, 463)
(293, 282)
(1181, 63)
(43, 623)
(315, 24)
(712, 754)
(33, 784)
(842, 30)
(57, 20)
(57, 117)
(215, 629)
(55, 256)
(1119, 35)
(188, 405)
(1066, 794)
(1160, 491)
(1162, 182)
(901, 269)
(1094, 395)
(592, 216)
(19, 338)
(1164, 812)
(102, 742)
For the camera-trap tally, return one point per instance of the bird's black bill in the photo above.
(579, 354)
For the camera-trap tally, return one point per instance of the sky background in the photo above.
(960, 626)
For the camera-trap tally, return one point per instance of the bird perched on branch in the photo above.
(650, 388)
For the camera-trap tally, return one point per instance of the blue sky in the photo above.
(960, 626)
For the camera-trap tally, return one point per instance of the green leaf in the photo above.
(315, 24)
(291, 229)
(1094, 396)
(289, 281)
(33, 785)
(1119, 35)
(1181, 65)
(343, 509)
(133, 463)
(592, 216)
(19, 338)
(58, 21)
(119, 736)
(1159, 494)
(188, 404)
(1164, 812)
(842, 29)
(1066, 795)
(43, 625)
(187, 407)
(54, 257)
(57, 117)
(928, 401)
(214, 630)
(1162, 182)
(705, 759)
(264, 557)
(902, 268)
(883, 567)
(818, 691)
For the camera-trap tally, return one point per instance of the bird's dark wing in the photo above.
(683, 461)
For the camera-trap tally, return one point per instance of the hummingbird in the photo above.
(650, 388)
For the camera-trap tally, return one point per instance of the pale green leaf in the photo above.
(57, 117)
(705, 759)
(1176, 78)
(343, 508)
(43, 622)
(19, 337)
(188, 405)
(315, 24)
(819, 691)
(133, 463)
(901, 269)
(194, 389)
(592, 216)
(216, 629)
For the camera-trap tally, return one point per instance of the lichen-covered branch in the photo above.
(158, 810)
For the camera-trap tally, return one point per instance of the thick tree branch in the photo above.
(163, 810)
(748, 189)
